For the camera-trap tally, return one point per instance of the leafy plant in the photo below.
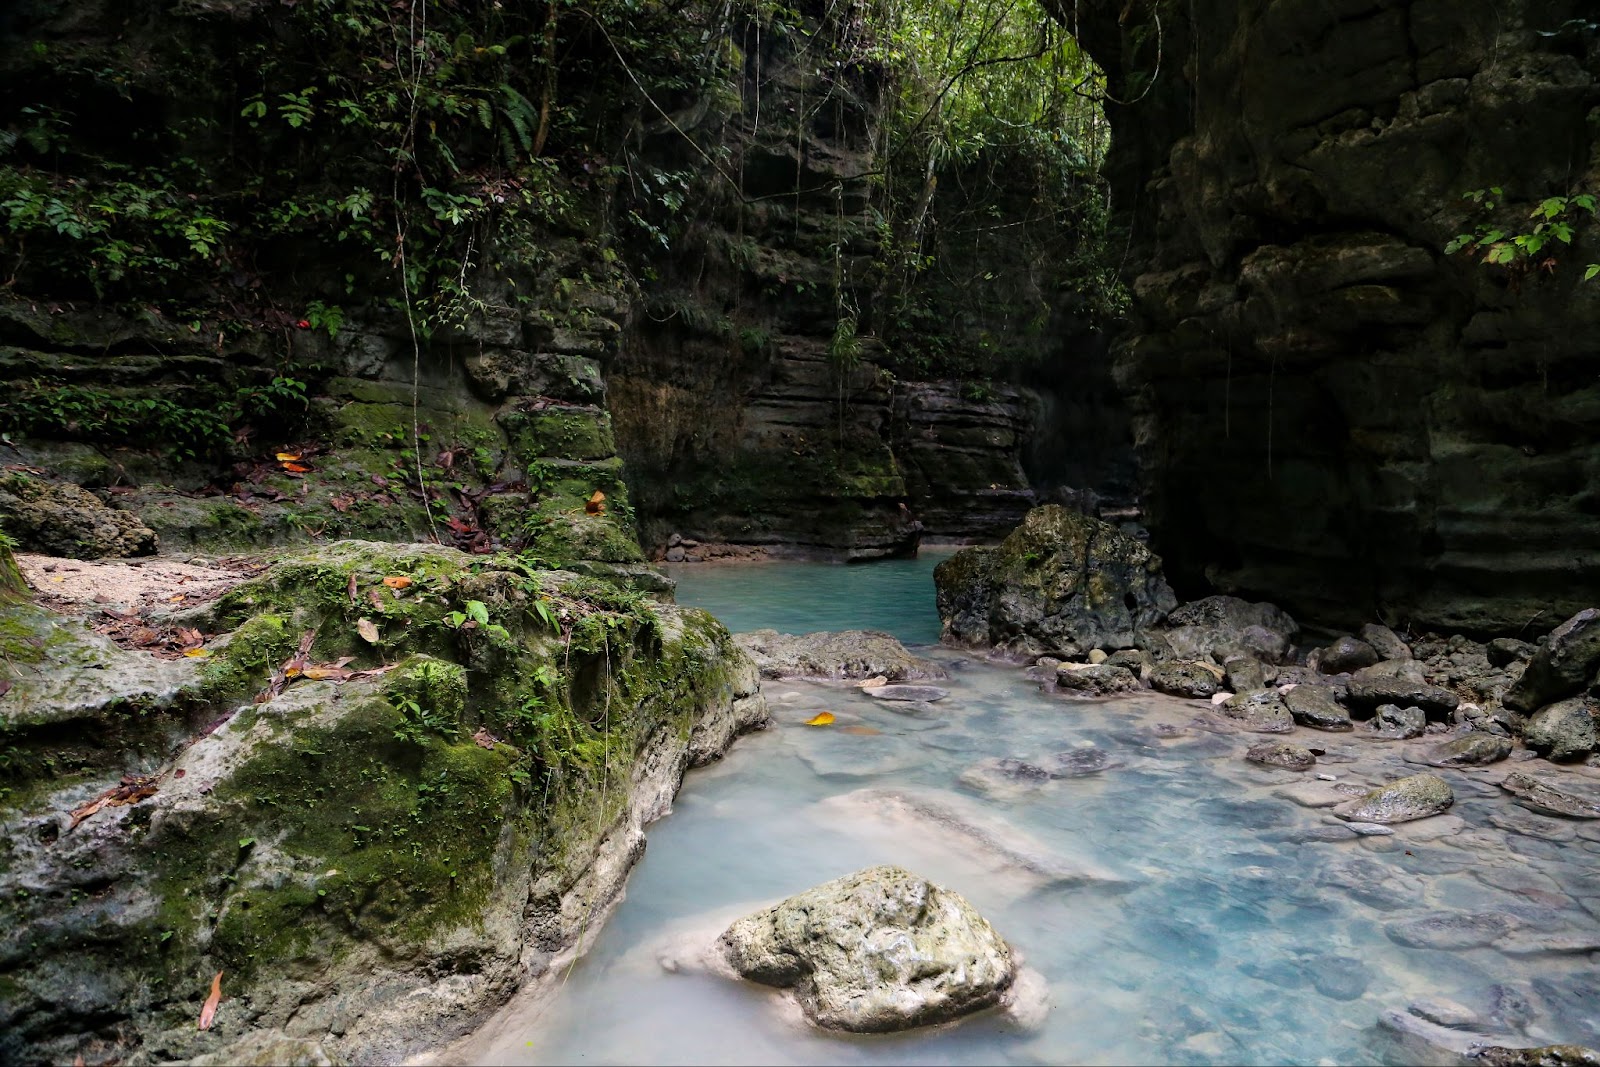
(1555, 222)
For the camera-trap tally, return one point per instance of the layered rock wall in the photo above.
(1329, 410)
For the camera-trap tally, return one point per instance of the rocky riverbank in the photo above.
(376, 788)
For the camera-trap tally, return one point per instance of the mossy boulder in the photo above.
(454, 774)
(1061, 579)
(1416, 797)
(61, 519)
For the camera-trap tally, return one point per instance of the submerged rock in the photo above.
(1260, 712)
(906, 693)
(1416, 797)
(1451, 930)
(1061, 579)
(1219, 627)
(875, 951)
(1180, 678)
(1469, 750)
(1563, 730)
(1281, 754)
(1314, 706)
(846, 654)
(1542, 796)
(1096, 679)
(1564, 663)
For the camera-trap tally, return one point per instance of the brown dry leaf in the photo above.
(5, 686)
(208, 1012)
(375, 600)
(350, 587)
(323, 674)
(132, 789)
(485, 739)
(596, 504)
(822, 718)
(397, 581)
(291, 667)
(368, 630)
(864, 731)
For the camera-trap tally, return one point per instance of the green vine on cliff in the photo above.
(1556, 221)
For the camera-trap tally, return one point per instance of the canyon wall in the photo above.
(1331, 411)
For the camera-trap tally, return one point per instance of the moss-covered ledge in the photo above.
(420, 815)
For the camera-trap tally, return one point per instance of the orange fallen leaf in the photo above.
(596, 504)
(822, 718)
(368, 630)
(397, 581)
(208, 1012)
(288, 457)
(297, 468)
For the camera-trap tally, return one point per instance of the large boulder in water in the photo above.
(1416, 797)
(1061, 581)
(1223, 626)
(875, 951)
(1564, 663)
(847, 654)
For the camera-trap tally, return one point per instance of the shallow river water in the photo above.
(1182, 905)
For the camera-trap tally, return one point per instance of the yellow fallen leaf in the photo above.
(288, 457)
(822, 718)
(397, 581)
(208, 1012)
(197, 653)
(367, 629)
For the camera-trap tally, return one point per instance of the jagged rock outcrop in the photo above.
(1330, 410)
(1059, 582)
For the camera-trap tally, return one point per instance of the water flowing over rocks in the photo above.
(848, 654)
(1060, 581)
(875, 951)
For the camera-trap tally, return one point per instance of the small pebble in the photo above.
(1328, 777)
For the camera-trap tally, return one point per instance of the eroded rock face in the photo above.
(1553, 800)
(875, 951)
(1399, 682)
(1261, 712)
(1416, 797)
(1197, 681)
(67, 520)
(1331, 410)
(1281, 754)
(1314, 706)
(1095, 679)
(1060, 579)
(838, 655)
(1469, 750)
(1562, 665)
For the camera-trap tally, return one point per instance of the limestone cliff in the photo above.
(1330, 410)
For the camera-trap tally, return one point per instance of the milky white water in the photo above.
(1217, 925)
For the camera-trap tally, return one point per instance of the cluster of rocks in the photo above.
(681, 549)
(1085, 605)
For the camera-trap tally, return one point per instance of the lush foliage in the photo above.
(1555, 223)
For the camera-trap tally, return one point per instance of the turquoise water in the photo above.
(1211, 918)
(894, 595)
